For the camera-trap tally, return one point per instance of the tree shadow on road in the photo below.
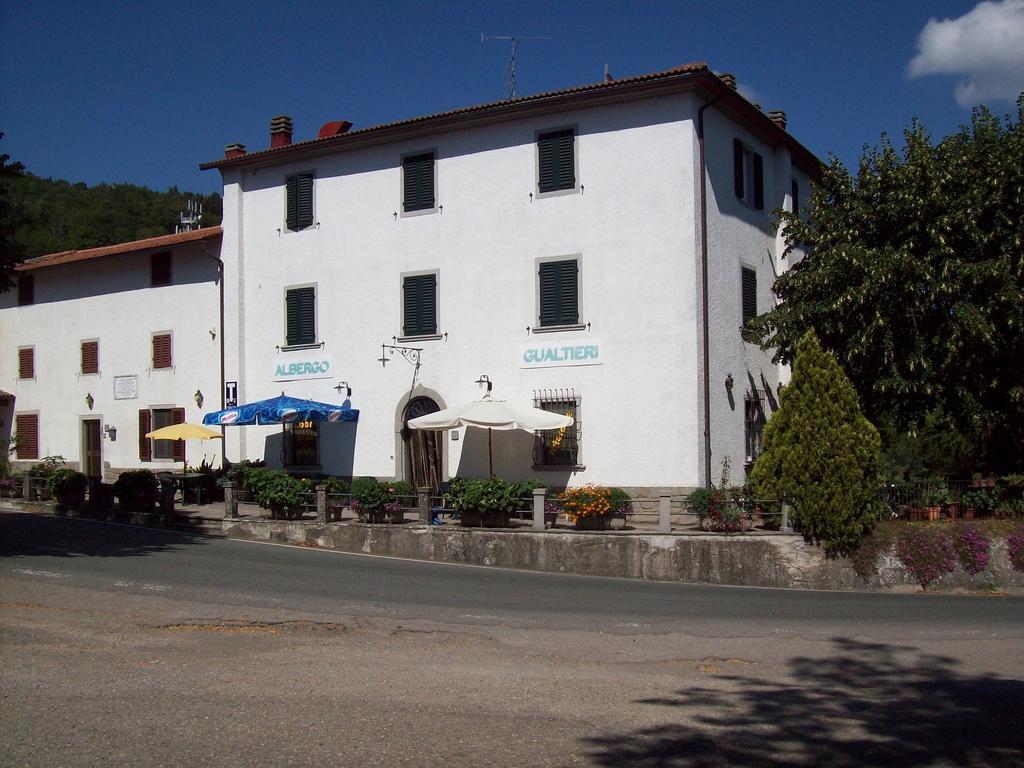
(27, 535)
(870, 704)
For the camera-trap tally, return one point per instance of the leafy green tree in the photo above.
(820, 453)
(56, 215)
(11, 250)
(912, 275)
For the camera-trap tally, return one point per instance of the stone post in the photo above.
(26, 488)
(784, 526)
(230, 501)
(538, 508)
(167, 502)
(665, 513)
(321, 504)
(423, 505)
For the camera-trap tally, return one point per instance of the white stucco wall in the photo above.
(740, 236)
(631, 223)
(109, 299)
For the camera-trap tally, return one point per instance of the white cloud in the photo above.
(986, 44)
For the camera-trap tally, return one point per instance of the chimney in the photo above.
(778, 117)
(729, 79)
(280, 131)
(234, 150)
(333, 128)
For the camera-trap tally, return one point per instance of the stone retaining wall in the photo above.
(741, 560)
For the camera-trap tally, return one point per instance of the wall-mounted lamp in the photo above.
(89, 400)
(485, 379)
(343, 385)
(198, 396)
(728, 382)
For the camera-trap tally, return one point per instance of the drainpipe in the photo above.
(704, 292)
(220, 283)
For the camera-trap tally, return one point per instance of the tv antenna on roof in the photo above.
(511, 67)
(191, 220)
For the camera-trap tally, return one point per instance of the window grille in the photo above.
(301, 444)
(558, 447)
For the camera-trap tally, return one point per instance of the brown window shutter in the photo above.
(27, 427)
(145, 444)
(162, 351)
(90, 357)
(178, 417)
(27, 363)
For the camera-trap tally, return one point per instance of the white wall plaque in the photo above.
(126, 387)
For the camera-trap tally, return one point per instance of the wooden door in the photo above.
(92, 454)
(422, 447)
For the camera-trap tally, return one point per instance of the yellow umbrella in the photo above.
(184, 431)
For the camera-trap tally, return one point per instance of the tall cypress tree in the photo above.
(821, 453)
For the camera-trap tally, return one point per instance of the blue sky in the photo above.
(143, 92)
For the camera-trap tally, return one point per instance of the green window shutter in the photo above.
(758, 182)
(737, 167)
(301, 316)
(749, 295)
(559, 293)
(418, 182)
(300, 201)
(419, 305)
(557, 160)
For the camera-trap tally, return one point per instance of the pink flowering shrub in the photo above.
(1015, 545)
(972, 548)
(926, 552)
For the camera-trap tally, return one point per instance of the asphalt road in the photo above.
(126, 646)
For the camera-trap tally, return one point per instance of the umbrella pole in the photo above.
(490, 458)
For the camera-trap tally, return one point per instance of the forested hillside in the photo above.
(55, 215)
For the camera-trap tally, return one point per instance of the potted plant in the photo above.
(976, 501)
(11, 487)
(284, 496)
(588, 507)
(483, 503)
(375, 502)
(69, 487)
(40, 474)
(137, 491)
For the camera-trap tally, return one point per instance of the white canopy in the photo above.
(491, 414)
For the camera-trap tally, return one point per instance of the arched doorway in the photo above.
(422, 447)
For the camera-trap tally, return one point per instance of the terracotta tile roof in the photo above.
(494, 106)
(136, 246)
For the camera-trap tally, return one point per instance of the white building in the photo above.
(553, 243)
(103, 345)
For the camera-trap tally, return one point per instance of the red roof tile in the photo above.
(696, 66)
(695, 74)
(136, 246)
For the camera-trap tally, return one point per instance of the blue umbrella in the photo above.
(282, 410)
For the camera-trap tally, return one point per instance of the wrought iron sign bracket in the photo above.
(411, 354)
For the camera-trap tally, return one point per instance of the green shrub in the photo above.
(46, 467)
(821, 454)
(368, 495)
(137, 490)
(285, 496)
(493, 495)
(337, 485)
(67, 482)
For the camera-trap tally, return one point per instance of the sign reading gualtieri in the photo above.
(554, 354)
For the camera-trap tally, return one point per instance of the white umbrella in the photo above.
(491, 414)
